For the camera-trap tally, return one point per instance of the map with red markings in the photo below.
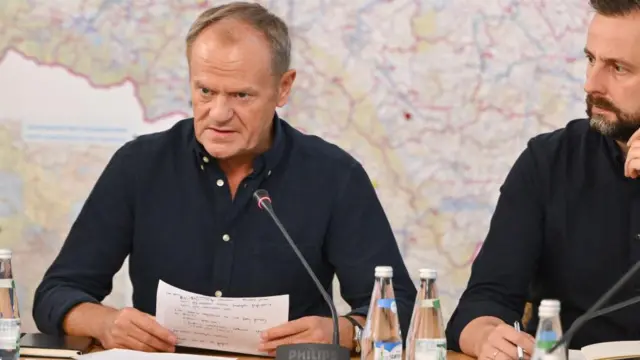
(436, 98)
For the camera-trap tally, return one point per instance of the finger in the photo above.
(632, 154)
(489, 353)
(632, 168)
(504, 356)
(522, 339)
(294, 339)
(635, 136)
(150, 325)
(150, 340)
(528, 345)
(505, 347)
(287, 329)
(122, 340)
(133, 344)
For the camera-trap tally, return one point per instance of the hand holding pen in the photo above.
(505, 342)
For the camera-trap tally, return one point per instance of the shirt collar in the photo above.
(614, 149)
(265, 161)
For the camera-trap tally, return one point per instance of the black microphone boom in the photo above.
(305, 351)
(593, 311)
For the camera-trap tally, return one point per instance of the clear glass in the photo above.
(426, 339)
(382, 338)
(548, 333)
(9, 312)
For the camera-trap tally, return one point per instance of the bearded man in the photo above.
(567, 222)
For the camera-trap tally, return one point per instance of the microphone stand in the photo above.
(305, 351)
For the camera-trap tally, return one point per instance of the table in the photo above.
(451, 355)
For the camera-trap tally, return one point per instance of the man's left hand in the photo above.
(310, 329)
(632, 162)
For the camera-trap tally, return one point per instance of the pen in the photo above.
(516, 325)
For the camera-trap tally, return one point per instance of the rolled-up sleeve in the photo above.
(502, 271)
(360, 238)
(94, 250)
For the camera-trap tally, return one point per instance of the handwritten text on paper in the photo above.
(219, 323)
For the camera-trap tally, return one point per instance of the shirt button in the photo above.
(269, 173)
(226, 237)
(205, 159)
(220, 182)
(202, 167)
(218, 293)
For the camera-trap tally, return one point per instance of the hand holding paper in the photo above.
(218, 323)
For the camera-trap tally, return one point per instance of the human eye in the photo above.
(590, 59)
(619, 69)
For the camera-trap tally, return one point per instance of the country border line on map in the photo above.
(87, 78)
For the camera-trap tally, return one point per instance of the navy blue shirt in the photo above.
(566, 227)
(164, 201)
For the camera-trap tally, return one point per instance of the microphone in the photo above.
(307, 350)
(593, 311)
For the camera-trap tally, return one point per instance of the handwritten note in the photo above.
(219, 323)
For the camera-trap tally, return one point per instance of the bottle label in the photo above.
(388, 304)
(9, 333)
(430, 303)
(431, 349)
(387, 350)
(546, 339)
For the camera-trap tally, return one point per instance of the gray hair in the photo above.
(271, 26)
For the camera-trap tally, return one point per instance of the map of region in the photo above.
(436, 99)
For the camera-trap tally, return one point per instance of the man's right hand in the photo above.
(501, 343)
(132, 329)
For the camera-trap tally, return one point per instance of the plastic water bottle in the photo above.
(549, 332)
(426, 339)
(382, 338)
(9, 310)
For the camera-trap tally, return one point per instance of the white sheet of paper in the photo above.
(138, 355)
(576, 355)
(219, 323)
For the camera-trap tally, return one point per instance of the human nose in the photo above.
(595, 82)
(220, 111)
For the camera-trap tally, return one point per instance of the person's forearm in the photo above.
(476, 332)
(87, 319)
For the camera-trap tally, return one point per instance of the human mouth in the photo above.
(600, 111)
(220, 132)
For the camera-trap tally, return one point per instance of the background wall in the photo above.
(436, 97)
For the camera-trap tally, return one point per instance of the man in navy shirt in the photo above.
(180, 204)
(567, 223)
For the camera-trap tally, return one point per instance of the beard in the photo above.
(620, 129)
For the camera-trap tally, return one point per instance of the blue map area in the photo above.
(11, 194)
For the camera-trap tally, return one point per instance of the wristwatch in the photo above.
(357, 332)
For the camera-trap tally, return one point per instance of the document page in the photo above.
(219, 323)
